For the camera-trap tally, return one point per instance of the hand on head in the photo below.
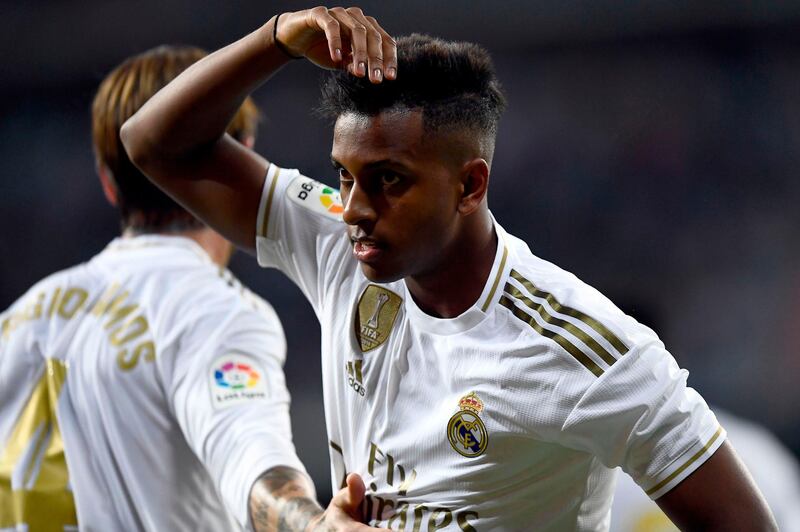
(340, 38)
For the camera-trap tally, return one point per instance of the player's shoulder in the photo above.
(59, 291)
(213, 291)
(553, 302)
(74, 275)
(303, 195)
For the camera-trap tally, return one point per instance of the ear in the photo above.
(249, 141)
(107, 181)
(475, 182)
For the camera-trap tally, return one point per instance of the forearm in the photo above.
(186, 117)
(282, 499)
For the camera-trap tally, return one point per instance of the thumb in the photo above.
(352, 495)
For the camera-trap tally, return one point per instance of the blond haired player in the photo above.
(473, 385)
(143, 389)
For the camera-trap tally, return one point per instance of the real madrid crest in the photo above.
(377, 310)
(465, 430)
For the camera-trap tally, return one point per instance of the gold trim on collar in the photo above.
(497, 277)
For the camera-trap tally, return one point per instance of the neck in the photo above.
(217, 248)
(461, 274)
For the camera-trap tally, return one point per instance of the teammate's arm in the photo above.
(178, 137)
(720, 495)
(283, 499)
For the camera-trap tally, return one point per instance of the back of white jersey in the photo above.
(506, 417)
(147, 383)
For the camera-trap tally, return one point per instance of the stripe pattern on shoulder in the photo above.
(588, 341)
(262, 232)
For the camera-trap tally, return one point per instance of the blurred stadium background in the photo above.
(649, 147)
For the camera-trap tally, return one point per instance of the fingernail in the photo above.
(362, 68)
(391, 72)
(338, 54)
(377, 74)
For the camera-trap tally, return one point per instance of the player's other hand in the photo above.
(344, 512)
(340, 38)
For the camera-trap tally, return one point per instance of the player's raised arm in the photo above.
(178, 138)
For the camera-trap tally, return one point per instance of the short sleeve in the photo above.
(228, 393)
(300, 230)
(642, 416)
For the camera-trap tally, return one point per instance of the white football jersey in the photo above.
(142, 390)
(510, 416)
(773, 467)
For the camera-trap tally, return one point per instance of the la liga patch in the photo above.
(316, 197)
(236, 379)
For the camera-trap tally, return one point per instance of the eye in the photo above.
(388, 179)
(344, 178)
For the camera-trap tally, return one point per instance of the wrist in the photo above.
(277, 42)
(269, 49)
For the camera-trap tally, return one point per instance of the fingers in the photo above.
(374, 45)
(370, 45)
(389, 46)
(333, 32)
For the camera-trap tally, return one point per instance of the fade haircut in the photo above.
(453, 83)
(143, 207)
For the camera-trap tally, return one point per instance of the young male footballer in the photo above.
(144, 390)
(473, 385)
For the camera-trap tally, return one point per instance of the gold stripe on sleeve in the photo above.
(579, 355)
(268, 206)
(567, 326)
(688, 463)
(496, 279)
(598, 327)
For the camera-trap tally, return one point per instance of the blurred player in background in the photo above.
(144, 390)
(774, 468)
(473, 385)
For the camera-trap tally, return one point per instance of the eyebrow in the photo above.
(374, 164)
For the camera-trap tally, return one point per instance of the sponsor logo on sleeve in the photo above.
(316, 197)
(236, 379)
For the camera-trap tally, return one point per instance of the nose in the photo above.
(358, 208)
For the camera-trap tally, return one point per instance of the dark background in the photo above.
(649, 147)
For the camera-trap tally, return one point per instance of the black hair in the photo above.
(453, 83)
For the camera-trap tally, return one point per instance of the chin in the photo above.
(380, 275)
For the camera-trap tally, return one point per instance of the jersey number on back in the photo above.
(33, 469)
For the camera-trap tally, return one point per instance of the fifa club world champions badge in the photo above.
(465, 430)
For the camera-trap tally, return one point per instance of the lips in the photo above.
(366, 249)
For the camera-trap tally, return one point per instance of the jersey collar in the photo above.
(159, 241)
(491, 293)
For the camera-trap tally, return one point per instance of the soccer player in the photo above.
(472, 384)
(144, 390)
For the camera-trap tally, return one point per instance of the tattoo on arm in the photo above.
(282, 499)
